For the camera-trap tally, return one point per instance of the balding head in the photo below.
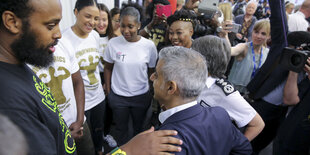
(305, 8)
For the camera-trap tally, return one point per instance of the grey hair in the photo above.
(186, 67)
(252, 2)
(216, 51)
(130, 11)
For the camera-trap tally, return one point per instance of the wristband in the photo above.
(118, 151)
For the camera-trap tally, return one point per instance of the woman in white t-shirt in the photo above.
(129, 61)
(83, 42)
(105, 30)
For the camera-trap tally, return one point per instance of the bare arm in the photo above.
(239, 49)
(290, 93)
(225, 30)
(155, 21)
(78, 86)
(255, 126)
(143, 33)
(108, 68)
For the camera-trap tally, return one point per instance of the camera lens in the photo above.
(296, 59)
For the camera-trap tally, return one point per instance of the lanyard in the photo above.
(260, 60)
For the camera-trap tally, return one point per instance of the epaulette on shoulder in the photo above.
(226, 86)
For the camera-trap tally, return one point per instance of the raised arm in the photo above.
(239, 49)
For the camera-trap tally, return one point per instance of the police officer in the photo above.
(219, 92)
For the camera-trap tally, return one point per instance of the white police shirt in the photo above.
(219, 92)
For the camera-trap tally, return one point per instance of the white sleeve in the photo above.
(153, 56)
(70, 53)
(108, 53)
(239, 109)
(74, 65)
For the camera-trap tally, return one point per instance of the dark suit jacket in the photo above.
(259, 86)
(207, 131)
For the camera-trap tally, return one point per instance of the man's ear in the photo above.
(172, 87)
(11, 22)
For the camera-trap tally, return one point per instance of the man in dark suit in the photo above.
(293, 136)
(266, 87)
(178, 80)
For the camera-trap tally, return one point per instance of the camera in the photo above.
(235, 27)
(208, 6)
(293, 59)
(205, 25)
(206, 22)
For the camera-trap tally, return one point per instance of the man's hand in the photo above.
(239, 35)
(152, 142)
(190, 4)
(76, 130)
(156, 20)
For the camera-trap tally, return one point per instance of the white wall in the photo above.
(68, 18)
(108, 3)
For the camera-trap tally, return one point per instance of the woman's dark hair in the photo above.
(184, 15)
(80, 4)
(109, 31)
(134, 5)
(115, 11)
(130, 11)
(151, 6)
(20, 8)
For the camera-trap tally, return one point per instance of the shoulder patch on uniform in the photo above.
(226, 86)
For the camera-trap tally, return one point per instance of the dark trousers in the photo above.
(84, 145)
(124, 107)
(273, 116)
(293, 137)
(95, 122)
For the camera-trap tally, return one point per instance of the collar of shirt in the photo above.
(300, 13)
(210, 81)
(166, 114)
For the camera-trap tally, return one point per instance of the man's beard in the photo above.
(26, 49)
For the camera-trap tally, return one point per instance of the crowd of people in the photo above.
(198, 82)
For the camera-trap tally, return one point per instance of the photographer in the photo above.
(208, 24)
(210, 20)
(205, 23)
(293, 136)
(265, 87)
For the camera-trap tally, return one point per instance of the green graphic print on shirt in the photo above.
(50, 102)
